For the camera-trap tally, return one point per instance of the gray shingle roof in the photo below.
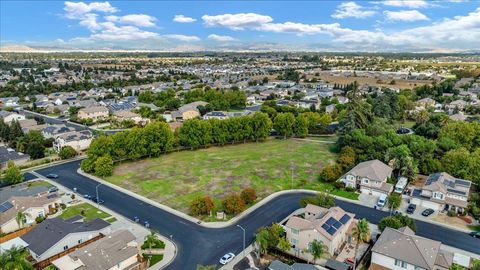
(51, 231)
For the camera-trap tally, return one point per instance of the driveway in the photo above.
(199, 245)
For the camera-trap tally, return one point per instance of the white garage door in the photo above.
(429, 204)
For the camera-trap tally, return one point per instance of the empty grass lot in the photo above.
(89, 212)
(177, 178)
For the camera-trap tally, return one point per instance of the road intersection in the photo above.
(197, 244)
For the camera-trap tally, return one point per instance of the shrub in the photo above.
(104, 166)
(67, 152)
(248, 195)
(339, 185)
(350, 189)
(397, 222)
(63, 206)
(451, 213)
(233, 204)
(202, 206)
(322, 199)
(330, 173)
(39, 219)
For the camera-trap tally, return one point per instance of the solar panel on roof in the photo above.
(330, 221)
(5, 206)
(462, 182)
(325, 227)
(345, 219)
(331, 231)
(337, 225)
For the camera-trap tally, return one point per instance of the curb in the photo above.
(159, 265)
(224, 224)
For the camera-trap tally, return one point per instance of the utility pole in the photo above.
(98, 199)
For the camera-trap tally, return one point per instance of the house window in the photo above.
(418, 268)
(295, 231)
(65, 247)
(400, 263)
(365, 181)
(80, 241)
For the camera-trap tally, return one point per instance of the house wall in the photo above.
(389, 262)
(122, 265)
(95, 115)
(12, 117)
(77, 145)
(70, 240)
(190, 114)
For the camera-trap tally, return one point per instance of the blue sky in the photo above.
(383, 25)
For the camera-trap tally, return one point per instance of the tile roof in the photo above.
(372, 169)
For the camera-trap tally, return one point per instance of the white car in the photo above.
(227, 258)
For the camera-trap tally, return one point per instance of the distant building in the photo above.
(7, 154)
(216, 115)
(188, 111)
(443, 191)
(95, 113)
(32, 207)
(78, 140)
(370, 177)
(9, 117)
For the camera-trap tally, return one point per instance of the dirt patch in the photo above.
(455, 221)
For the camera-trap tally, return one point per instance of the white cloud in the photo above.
(76, 10)
(89, 20)
(405, 15)
(220, 38)
(406, 3)
(239, 21)
(111, 32)
(351, 10)
(183, 19)
(184, 38)
(141, 20)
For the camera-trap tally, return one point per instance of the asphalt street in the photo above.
(200, 245)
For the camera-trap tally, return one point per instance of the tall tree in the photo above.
(361, 234)
(15, 259)
(13, 175)
(317, 249)
(284, 124)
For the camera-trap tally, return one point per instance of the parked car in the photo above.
(136, 219)
(87, 196)
(475, 234)
(146, 224)
(52, 176)
(381, 201)
(227, 258)
(52, 189)
(427, 212)
(411, 208)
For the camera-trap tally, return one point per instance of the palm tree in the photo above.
(317, 249)
(21, 218)
(14, 259)
(361, 234)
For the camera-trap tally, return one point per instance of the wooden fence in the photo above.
(16, 234)
(42, 264)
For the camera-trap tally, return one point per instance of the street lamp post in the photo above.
(98, 199)
(243, 239)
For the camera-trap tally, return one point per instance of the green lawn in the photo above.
(89, 212)
(177, 178)
(153, 258)
(475, 228)
(39, 183)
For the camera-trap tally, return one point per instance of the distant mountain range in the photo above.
(19, 48)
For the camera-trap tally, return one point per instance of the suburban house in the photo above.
(130, 116)
(278, 265)
(9, 117)
(119, 251)
(55, 235)
(95, 113)
(370, 177)
(443, 191)
(32, 207)
(402, 249)
(331, 226)
(188, 111)
(425, 103)
(78, 140)
(9, 102)
(215, 114)
(7, 154)
(52, 130)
